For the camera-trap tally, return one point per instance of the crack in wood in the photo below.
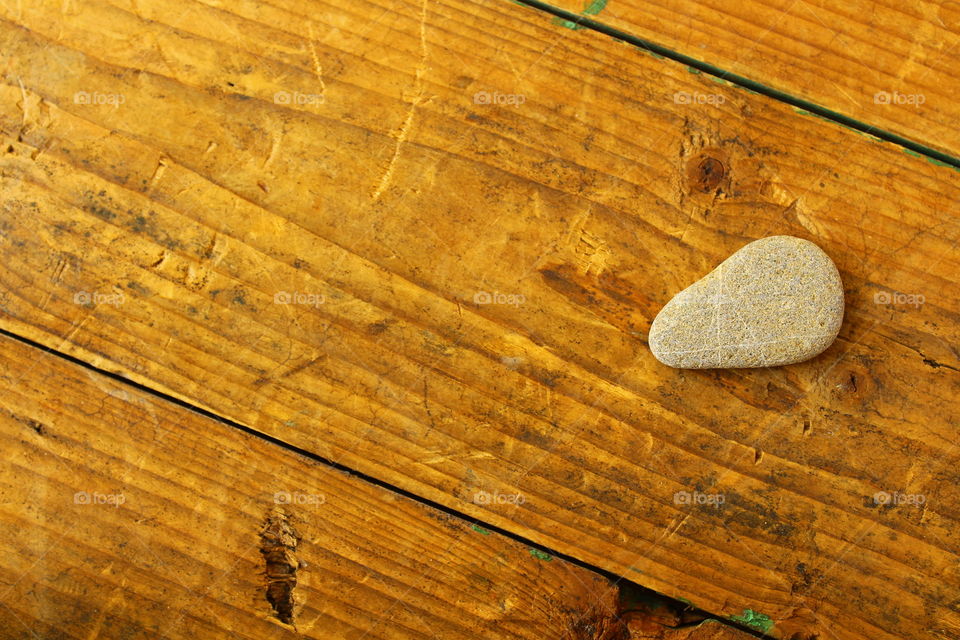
(278, 542)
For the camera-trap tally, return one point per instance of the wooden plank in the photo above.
(128, 517)
(888, 64)
(402, 196)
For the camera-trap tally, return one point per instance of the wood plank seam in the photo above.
(279, 540)
(166, 177)
(584, 21)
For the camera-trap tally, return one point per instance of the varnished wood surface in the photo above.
(400, 198)
(889, 64)
(128, 517)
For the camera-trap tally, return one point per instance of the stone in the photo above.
(776, 301)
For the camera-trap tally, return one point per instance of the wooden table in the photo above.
(329, 320)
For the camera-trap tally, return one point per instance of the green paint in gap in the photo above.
(592, 8)
(804, 112)
(825, 119)
(480, 530)
(718, 80)
(933, 161)
(684, 601)
(694, 71)
(653, 54)
(540, 555)
(938, 162)
(869, 137)
(567, 23)
(754, 620)
(755, 87)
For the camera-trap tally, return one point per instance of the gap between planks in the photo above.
(616, 580)
(584, 21)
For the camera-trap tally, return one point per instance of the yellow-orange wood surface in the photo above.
(128, 517)
(297, 213)
(890, 64)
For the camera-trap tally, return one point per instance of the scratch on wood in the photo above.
(76, 328)
(38, 427)
(592, 254)
(426, 405)
(401, 138)
(317, 67)
(60, 265)
(156, 263)
(590, 251)
(211, 248)
(158, 172)
(480, 455)
(408, 121)
(23, 106)
(576, 226)
(274, 147)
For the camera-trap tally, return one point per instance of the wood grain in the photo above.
(583, 205)
(888, 64)
(129, 517)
